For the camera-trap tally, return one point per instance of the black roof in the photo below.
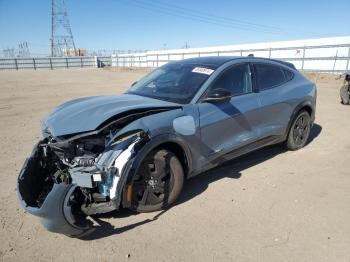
(209, 60)
(219, 60)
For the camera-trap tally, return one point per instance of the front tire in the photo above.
(299, 131)
(158, 181)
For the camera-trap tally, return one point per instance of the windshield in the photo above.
(176, 82)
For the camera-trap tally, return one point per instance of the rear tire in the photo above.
(344, 95)
(299, 131)
(158, 182)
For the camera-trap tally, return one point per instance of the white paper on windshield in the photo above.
(203, 70)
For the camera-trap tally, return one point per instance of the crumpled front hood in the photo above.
(87, 113)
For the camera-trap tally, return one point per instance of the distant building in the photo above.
(78, 52)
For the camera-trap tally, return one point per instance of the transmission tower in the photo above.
(62, 42)
(9, 53)
(23, 50)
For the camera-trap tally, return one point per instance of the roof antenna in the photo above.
(251, 55)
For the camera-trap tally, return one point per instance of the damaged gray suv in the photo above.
(100, 154)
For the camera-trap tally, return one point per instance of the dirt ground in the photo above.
(271, 205)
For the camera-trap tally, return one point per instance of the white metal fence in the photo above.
(53, 62)
(321, 58)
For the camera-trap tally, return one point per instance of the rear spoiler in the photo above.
(290, 65)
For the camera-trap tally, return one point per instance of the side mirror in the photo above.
(218, 95)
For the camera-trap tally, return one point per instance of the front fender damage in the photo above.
(64, 193)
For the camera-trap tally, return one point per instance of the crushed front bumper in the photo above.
(40, 196)
(53, 211)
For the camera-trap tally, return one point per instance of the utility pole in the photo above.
(62, 42)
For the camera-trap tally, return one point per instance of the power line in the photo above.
(213, 17)
(196, 17)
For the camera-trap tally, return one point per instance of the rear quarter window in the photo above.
(268, 76)
(288, 74)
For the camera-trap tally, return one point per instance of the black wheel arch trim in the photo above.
(159, 140)
(153, 143)
(305, 104)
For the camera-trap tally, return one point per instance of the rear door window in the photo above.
(268, 76)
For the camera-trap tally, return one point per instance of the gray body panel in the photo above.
(277, 104)
(88, 113)
(219, 128)
(229, 125)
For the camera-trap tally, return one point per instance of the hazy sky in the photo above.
(146, 24)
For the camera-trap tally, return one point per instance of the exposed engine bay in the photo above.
(87, 163)
(85, 173)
